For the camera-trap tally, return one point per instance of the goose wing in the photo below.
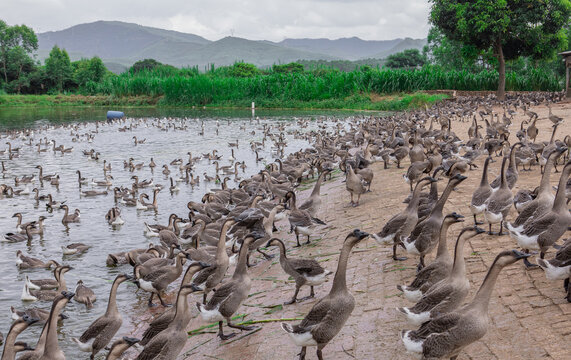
(99, 326)
(202, 256)
(204, 274)
(563, 255)
(393, 225)
(437, 296)
(319, 312)
(438, 325)
(221, 295)
(154, 349)
(300, 218)
(441, 344)
(540, 225)
(307, 267)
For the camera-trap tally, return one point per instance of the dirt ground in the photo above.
(530, 319)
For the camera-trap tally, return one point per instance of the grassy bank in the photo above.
(356, 102)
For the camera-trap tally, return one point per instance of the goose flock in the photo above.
(226, 206)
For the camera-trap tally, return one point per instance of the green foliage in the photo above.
(87, 70)
(242, 69)
(288, 68)
(511, 28)
(16, 43)
(58, 68)
(409, 58)
(146, 64)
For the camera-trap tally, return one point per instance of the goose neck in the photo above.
(559, 204)
(442, 249)
(339, 281)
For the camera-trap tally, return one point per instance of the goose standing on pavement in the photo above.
(559, 268)
(330, 313)
(499, 203)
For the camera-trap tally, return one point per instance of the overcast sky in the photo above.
(251, 19)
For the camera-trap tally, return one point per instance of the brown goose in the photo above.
(211, 276)
(313, 203)
(45, 284)
(47, 295)
(304, 271)
(402, 224)
(168, 343)
(542, 232)
(511, 171)
(70, 218)
(84, 295)
(448, 293)
(438, 338)
(330, 313)
(51, 349)
(102, 330)
(33, 312)
(300, 221)
(482, 193)
(355, 185)
(16, 328)
(436, 270)
(230, 295)
(498, 205)
(162, 321)
(425, 234)
(544, 199)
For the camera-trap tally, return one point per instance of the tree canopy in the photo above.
(409, 58)
(16, 43)
(510, 28)
(58, 67)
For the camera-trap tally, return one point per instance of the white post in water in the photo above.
(253, 109)
(253, 105)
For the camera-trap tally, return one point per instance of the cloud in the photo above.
(251, 19)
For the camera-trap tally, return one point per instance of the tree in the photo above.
(12, 37)
(409, 58)
(449, 54)
(87, 70)
(510, 28)
(147, 64)
(58, 67)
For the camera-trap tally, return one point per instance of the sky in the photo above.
(272, 20)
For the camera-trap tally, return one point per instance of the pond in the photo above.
(169, 134)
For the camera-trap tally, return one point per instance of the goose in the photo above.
(12, 237)
(544, 199)
(84, 295)
(354, 185)
(47, 295)
(438, 338)
(91, 193)
(313, 203)
(42, 176)
(304, 271)
(559, 268)
(45, 284)
(74, 248)
(21, 227)
(102, 330)
(26, 262)
(415, 172)
(152, 164)
(511, 171)
(151, 206)
(107, 182)
(425, 234)
(156, 282)
(229, 296)
(106, 167)
(33, 312)
(300, 221)
(542, 232)
(120, 346)
(113, 217)
(16, 328)
(499, 203)
(403, 223)
(447, 294)
(55, 180)
(162, 321)
(173, 188)
(81, 180)
(481, 194)
(50, 350)
(436, 270)
(39, 197)
(556, 120)
(548, 149)
(330, 313)
(53, 204)
(71, 218)
(153, 230)
(212, 276)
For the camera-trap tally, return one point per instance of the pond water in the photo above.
(170, 134)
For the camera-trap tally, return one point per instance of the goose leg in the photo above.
(490, 232)
(297, 238)
(352, 199)
(420, 264)
(308, 242)
(476, 222)
(151, 300)
(162, 301)
(395, 257)
(358, 198)
(294, 298)
(302, 353)
(310, 296)
(319, 354)
(568, 289)
(204, 297)
(526, 262)
(501, 228)
(241, 327)
(221, 333)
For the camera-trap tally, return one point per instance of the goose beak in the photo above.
(479, 230)
(30, 320)
(361, 234)
(431, 179)
(129, 277)
(520, 255)
(195, 288)
(131, 341)
(68, 294)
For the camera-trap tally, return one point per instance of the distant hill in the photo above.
(121, 44)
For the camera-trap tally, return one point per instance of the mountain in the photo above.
(404, 44)
(345, 48)
(121, 44)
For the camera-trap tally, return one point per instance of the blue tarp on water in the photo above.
(115, 114)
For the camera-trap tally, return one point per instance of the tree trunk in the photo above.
(501, 94)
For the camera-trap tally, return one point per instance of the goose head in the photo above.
(356, 236)
(454, 218)
(508, 257)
